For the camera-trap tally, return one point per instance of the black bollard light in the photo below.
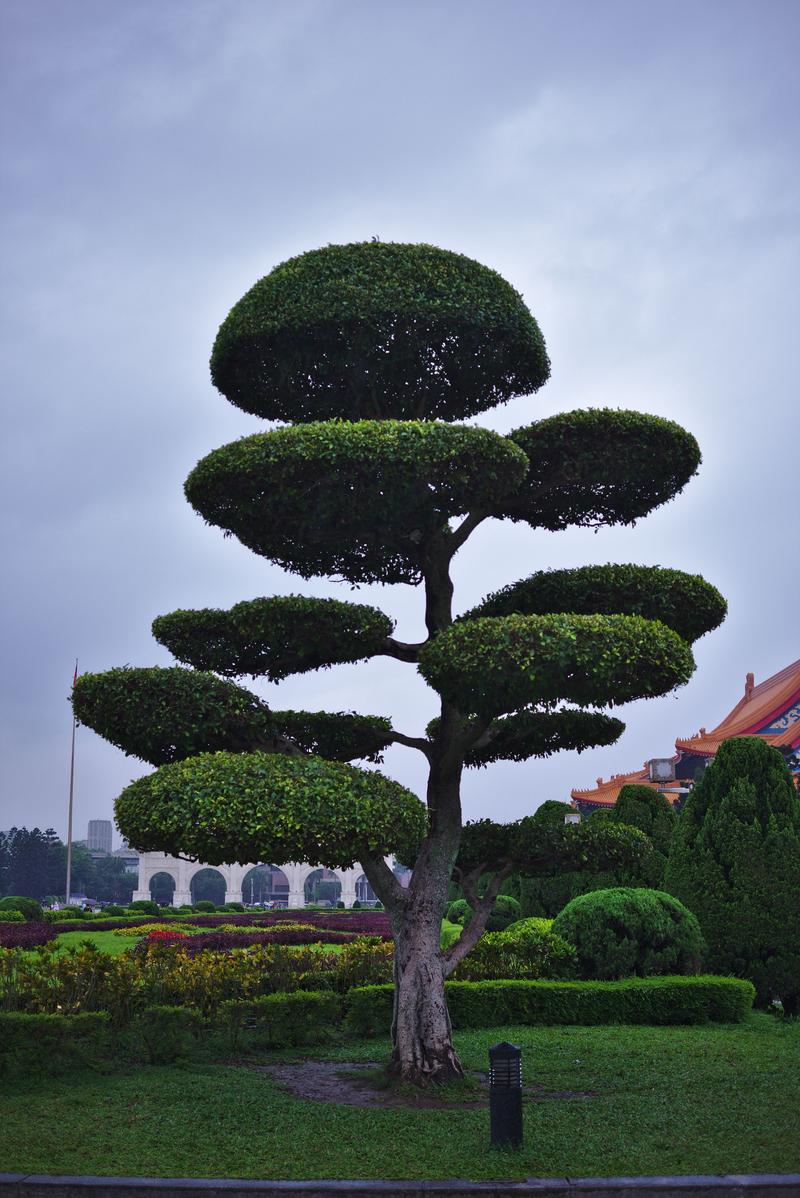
(505, 1095)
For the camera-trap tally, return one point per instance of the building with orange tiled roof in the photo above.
(770, 709)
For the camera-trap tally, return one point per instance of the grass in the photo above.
(712, 1099)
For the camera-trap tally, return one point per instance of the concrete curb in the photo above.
(763, 1185)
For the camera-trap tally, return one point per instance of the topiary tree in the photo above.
(628, 931)
(370, 353)
(735, 862)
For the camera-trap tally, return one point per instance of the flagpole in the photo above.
(71, 792)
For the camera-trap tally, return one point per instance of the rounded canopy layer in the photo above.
(599, 466)
(224, 807)
(686, 603)
(288, 634)
(355, 500)
(503, 663)
(378, 330)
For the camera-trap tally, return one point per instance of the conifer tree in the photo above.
(370, 354)
(735, 863)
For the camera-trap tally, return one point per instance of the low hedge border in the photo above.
(53, 1044)
(657, 1001)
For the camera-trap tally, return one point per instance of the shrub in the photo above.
(167, 1033)
(504, 912)
(29, 907)
(233, 907)
(73, 913)
(11, 917)
(52, 1044)
(526, 953)
(533, 923)
(655, 1001)
(26, 935)
(630, 931)
(735, 861)
(450, 933)
(113, 909)
(205, 905)
(146, 905)
(283, 1020)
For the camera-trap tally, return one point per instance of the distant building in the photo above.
(770, 710)
(98, 839)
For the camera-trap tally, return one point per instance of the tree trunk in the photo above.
(422, 1038)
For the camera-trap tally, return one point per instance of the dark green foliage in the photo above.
(274, 637)
(599, 466)
(339, 736)
(52, 1044)
(167, 1033)
(505, 911)
(222, 807)
(28, 907)
(676, 1000)
(113, 909)
(735, 862)
(353, 500)
(626, 931)
(536, 848)
(33, 863)
(502, 663)
(162, 715)
(7, 916)
(205, 905)
(647, 809)
(539, 734)
(378, 329)
(147, 906)
(282, 1020)
(686, 603)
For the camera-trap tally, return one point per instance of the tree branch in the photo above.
(482, 909)
(400, 650)
(413, 742)
(383, 882)
(465, 530)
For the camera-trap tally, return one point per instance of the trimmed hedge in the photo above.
(283, 1020)
(656, 1001)
(166, 1033)
(52, 1044)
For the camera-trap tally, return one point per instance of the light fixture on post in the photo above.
(505, 1095)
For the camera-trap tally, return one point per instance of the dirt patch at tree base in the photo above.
(356, 1085)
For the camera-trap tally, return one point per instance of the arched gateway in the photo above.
(295, 873)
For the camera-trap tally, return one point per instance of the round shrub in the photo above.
(71, 913)
(528, 954)
(533, 923)
(504, 912)
(113, 909)
(144, 905)
(29, 907)
(233, 907)
(206, 905)
(625, 931)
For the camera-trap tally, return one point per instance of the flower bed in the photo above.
(358, 923)
(25, 935)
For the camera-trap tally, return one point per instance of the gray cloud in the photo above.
(631, 170)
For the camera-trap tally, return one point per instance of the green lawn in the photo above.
(713, 1099)
(107, 941)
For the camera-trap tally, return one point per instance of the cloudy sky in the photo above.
(630, 168)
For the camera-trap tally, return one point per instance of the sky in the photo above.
(630, 168)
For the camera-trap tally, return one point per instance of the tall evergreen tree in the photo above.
(735, 863)
(370, 353)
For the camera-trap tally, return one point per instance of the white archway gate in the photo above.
(182, 872)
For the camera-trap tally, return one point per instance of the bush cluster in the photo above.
(628, 931)
(522, 951)
(504, 912)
